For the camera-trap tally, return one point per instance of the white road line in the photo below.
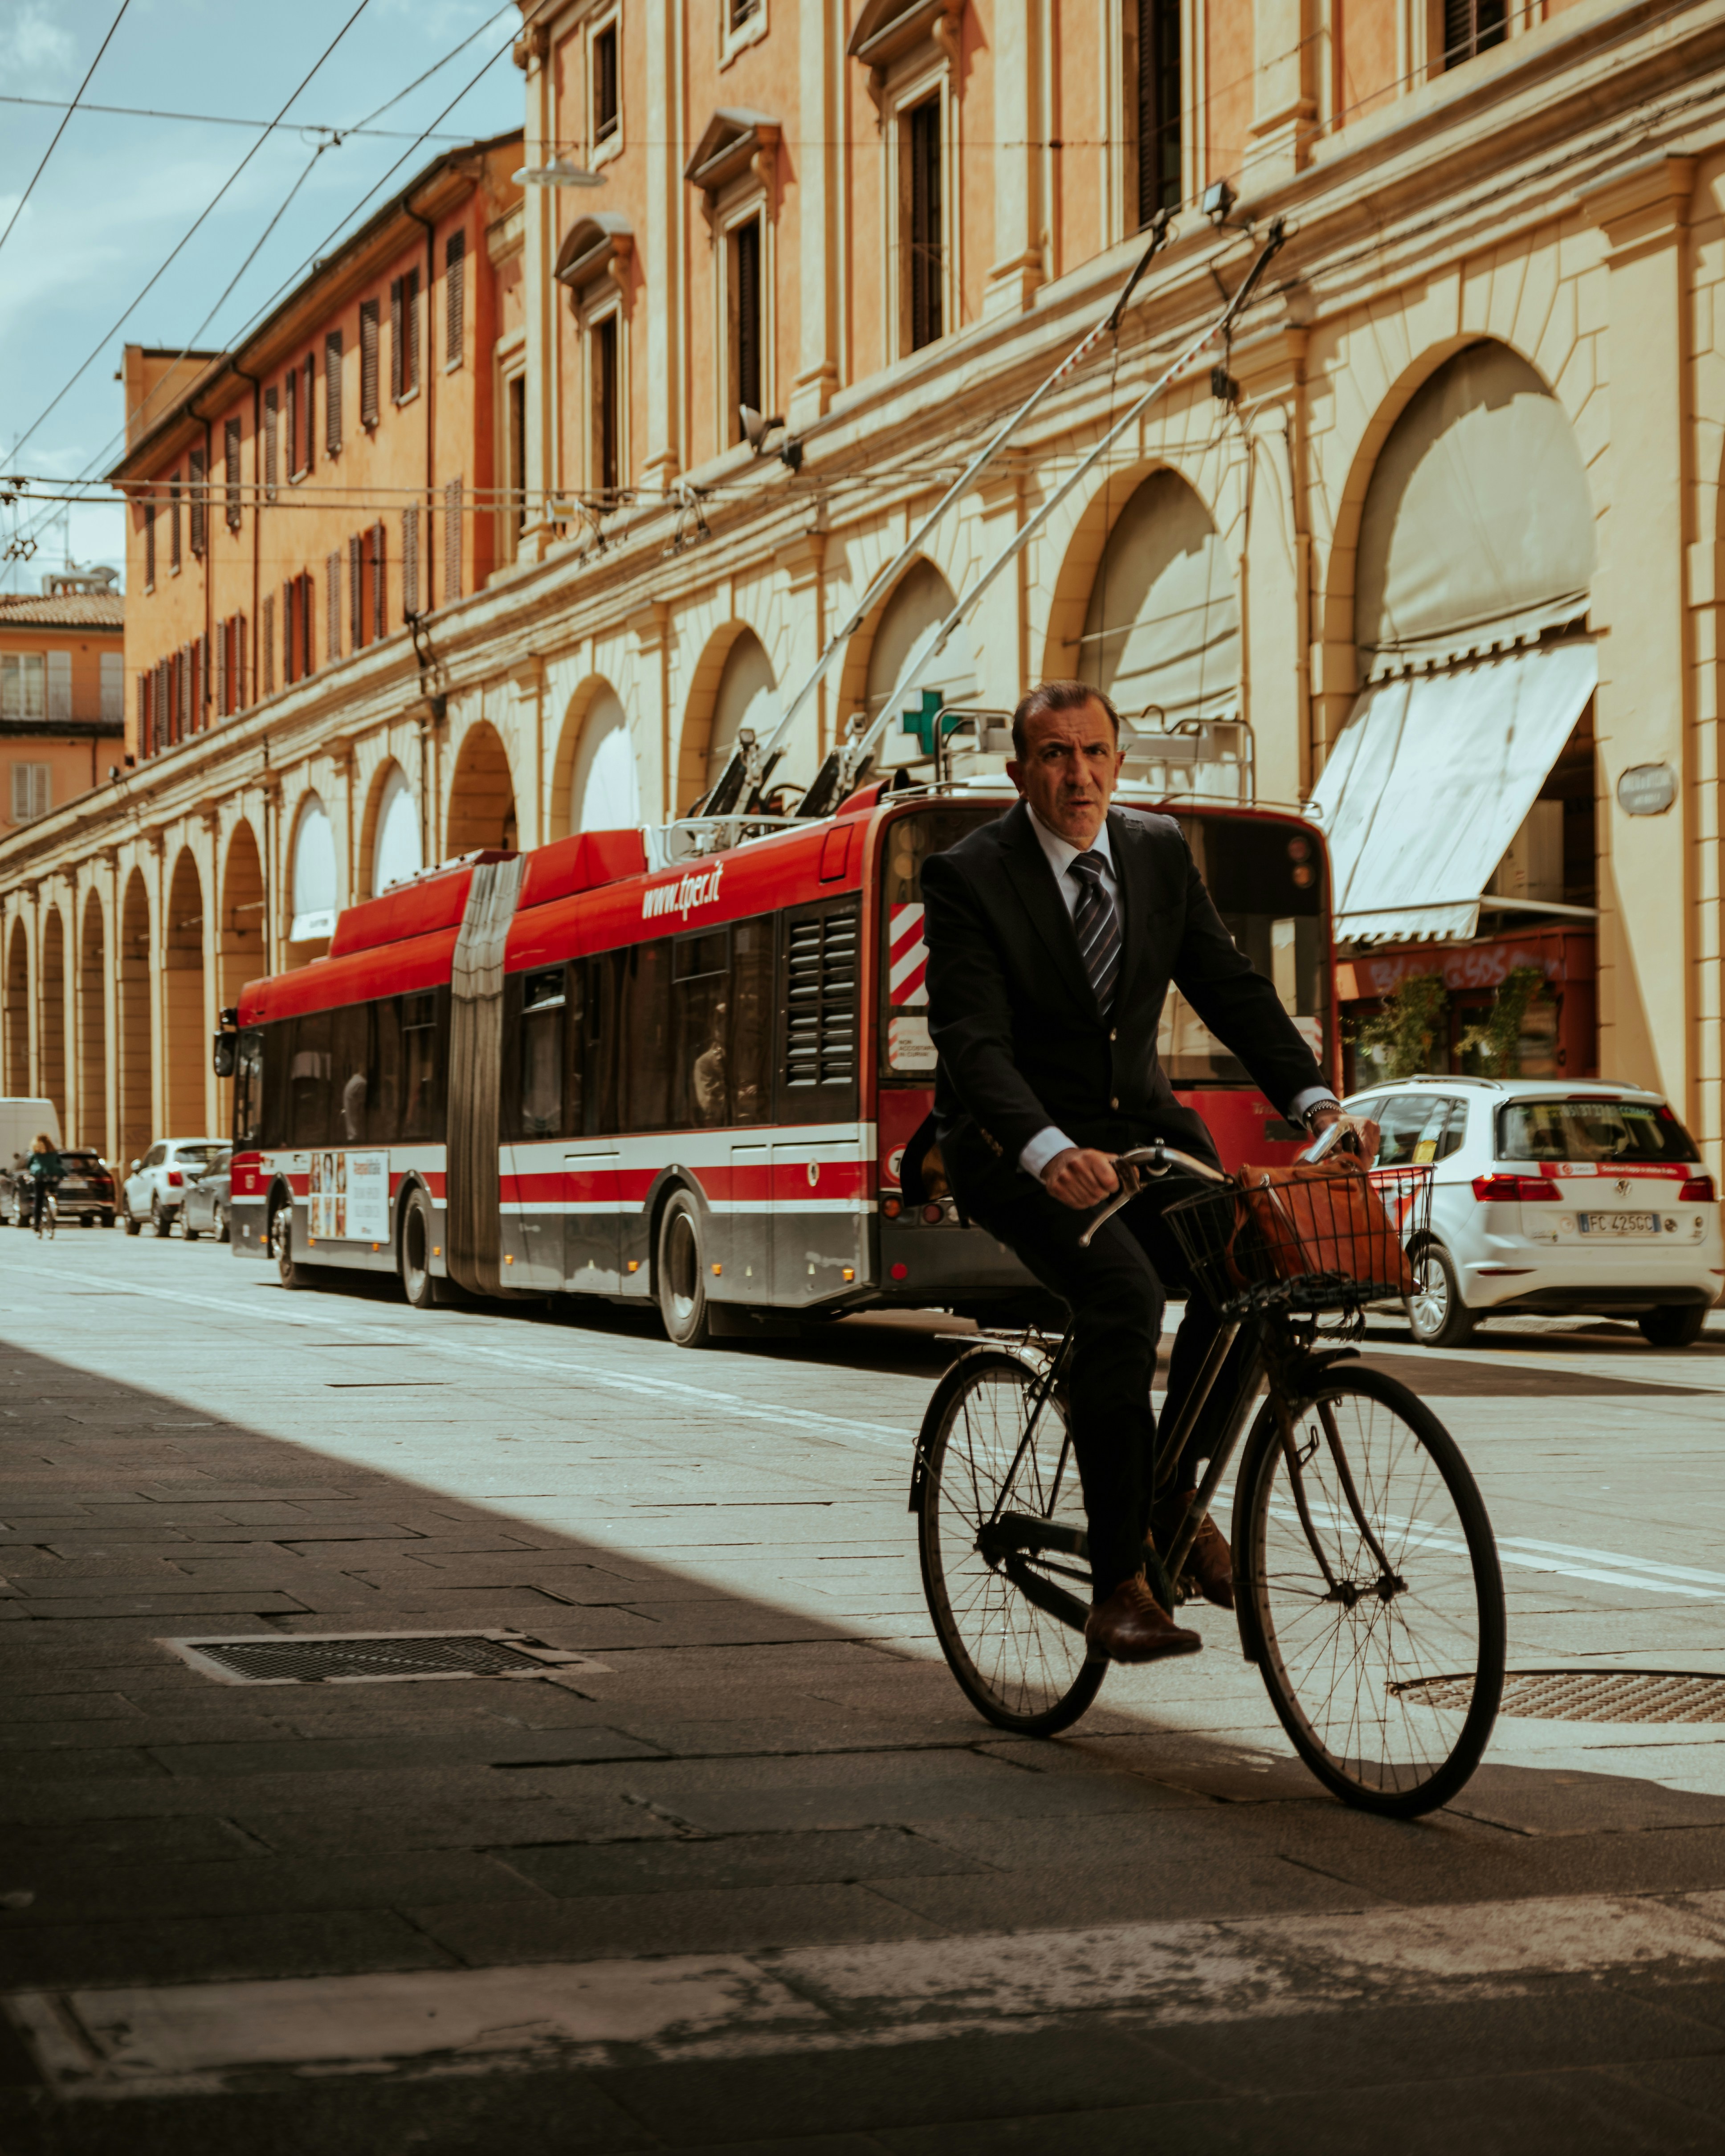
(188, 2038)
(702, 1397)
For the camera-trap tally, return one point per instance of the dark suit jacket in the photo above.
(1023, 1042)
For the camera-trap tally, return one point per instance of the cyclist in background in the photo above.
(47, 1172)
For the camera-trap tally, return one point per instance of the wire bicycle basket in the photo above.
(1309, 1239)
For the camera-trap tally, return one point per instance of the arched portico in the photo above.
(734, 686)
(51, 1017)
(18, 1012)
(482, 803)
(92, 1119)
(185, 1047)
(137, 1081)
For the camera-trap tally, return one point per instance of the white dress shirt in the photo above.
(1051, 1141)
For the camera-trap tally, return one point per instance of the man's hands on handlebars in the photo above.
(1081, 1177)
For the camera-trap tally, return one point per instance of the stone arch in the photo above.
(18, 1012)
(888, 644)
(481, 810)
(51, 1017)
(136, 1086)
(1339, 598)
(596, 783)
(185, 1050)
(314, 889)
(733, 686)
(392, 847)
(239, 945)
(92, 1024)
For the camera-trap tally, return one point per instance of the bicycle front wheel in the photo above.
(1000, 1532)
(1373, 1591)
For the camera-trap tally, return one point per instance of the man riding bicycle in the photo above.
(1054, 934)
(47, 1172)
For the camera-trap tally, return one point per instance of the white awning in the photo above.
(1432, 777)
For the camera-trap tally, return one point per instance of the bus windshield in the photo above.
(1264, 877)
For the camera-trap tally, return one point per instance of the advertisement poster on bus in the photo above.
(349, 1197)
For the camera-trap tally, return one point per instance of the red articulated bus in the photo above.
(565, 1073)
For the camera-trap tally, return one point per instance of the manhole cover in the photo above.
(1588, 1694)
(374, 1657)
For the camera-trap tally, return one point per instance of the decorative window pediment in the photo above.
(596, 245)
(885, 29)
(735, 141)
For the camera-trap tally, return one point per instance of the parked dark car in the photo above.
(86, 1194)
(205, 1210)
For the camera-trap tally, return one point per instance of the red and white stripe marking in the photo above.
(908, 958)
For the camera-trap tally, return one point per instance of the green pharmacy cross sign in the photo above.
(927, 722)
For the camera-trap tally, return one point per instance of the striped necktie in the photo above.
(1096, 919)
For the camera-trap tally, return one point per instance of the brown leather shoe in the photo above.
(1132, 1626)
(1210, 1563)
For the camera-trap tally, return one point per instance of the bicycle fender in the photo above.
(1036, 1364)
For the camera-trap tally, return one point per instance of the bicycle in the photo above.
(1367, 1584)
(49, 1219)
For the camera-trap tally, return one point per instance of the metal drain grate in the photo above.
(1588, 1694)
(374, 1657)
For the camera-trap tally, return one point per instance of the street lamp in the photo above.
(558, 173)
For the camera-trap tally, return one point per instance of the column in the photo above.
(649, 639)
(1273, 569)
(664, 246)
(819, 182)
(1017, 265)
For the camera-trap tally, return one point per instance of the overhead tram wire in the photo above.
(19, 211)
(185, 240)
(218, 118)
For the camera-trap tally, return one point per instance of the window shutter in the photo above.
(164, 704)
(144, 686)
(59, 687)
(368, 363)
(745, 257)
(113, 688)
(1159, 101)
(272, 428)
(455, 299)
(269, 642)
(820, 1041)
(183, 701)
(356, 593)
(197, 501)
(309, 456)
(290, 636)
(200, 708)
(332, 393)
(452, 542)
(410, 560)
(398, 375)
(926, 231)
(230, 472)
(44, 789)
(173, 524)
(410, 317)
(150, 544)
(291, 399)
(604, 397)
(380, 559)
(242, 679)
(220, 682)
(332, 622)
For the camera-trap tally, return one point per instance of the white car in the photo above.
(156, 1189)
(1550, 1199)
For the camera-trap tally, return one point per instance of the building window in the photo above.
(332, 394)
(1473, 26)
(921, 225)
(23, 684)
(173, 525)
(454, 300)
(149, 546)
(230, 473)
(514, 519)
(1155, 34)
(607, 112)
(368, 363)
(272, 437)
(739, 13)
(404, 336)
(744, 267)
(197, 504)
(607, 419)
(32, 791)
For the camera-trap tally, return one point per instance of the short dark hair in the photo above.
(1058, 697)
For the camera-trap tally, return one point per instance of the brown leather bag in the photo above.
(1326, 1219)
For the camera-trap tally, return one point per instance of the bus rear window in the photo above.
(906, 1049)
(1592, 1131)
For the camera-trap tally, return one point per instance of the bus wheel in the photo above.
(417, 1283)
(682, 1273)
(281, 1247)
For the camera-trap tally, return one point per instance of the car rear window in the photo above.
(1591, 1130)
(197, 1151)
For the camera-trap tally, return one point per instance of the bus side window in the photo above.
(604, 979)
(751, 1021)
(421, 1091)
(249, 1089)
(309, 1080)
(542, 1055)
(643, 1079)
(349, 1079)
(575, 1042)
(700, 982)
(383, 1109)
(278, 1055)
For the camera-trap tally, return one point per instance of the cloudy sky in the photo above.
(120, 193)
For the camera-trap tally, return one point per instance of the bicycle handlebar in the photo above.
(1154, 1160)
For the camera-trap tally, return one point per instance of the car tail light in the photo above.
(1698, 1190)
(1515, 1190)
(175, 1179)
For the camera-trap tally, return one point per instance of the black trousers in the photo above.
(38, 1200)
(1116, 1290)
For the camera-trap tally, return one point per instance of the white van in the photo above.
(21, 1123)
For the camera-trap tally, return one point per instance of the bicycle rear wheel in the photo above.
(1000, 1533)
(1373, 1588)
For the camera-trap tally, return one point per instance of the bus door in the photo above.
(532, 1218)
(591, 1161)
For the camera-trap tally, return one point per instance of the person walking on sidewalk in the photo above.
(1053, 935)
(47, 1172)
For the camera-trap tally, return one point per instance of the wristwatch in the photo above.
(1309, 1115)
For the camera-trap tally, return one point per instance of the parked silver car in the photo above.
(205, 1210)
(157, 1187)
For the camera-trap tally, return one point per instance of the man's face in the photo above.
(1070, 769)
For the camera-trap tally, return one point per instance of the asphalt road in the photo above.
(748, 1874)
